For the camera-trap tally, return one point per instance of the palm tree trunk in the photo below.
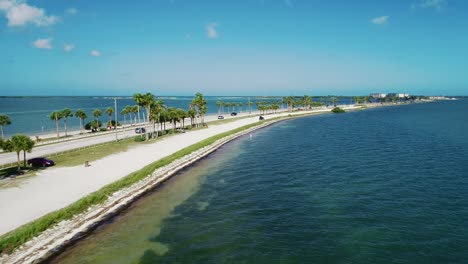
(1, 128)
(24, 158)
(57, 126)
(18, 159)
(65, 124)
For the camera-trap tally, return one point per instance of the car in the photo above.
(180, 130)
(261, 118)
(41, 162)
(140, 130)
(220, 117)
(233, 114)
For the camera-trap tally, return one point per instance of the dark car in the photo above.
(233, 114)
(41, 162)
(140, 130)
(220, 117)
(261, 118)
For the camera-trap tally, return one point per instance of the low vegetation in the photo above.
(338, 110)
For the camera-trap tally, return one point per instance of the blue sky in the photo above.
(242, 47)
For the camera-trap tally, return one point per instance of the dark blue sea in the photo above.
(386, 185)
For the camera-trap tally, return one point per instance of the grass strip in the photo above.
(19, 236)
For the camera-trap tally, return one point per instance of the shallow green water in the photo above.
(379, 186)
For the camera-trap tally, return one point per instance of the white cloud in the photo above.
(19, 13)
(211, 30)
(95, 53)
(382, 20)
(437, 5)
(68, 47)
(43, 43)
(72, 11)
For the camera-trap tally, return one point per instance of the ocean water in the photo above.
(385, 185)
(30, 115)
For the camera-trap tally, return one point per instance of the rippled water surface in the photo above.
(386, 185)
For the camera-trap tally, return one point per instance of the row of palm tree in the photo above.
(158, 114)
(18, 143)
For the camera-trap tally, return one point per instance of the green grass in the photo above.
(19, 236)
(78, 157)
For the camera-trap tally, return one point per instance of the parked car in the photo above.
(261, 118)
(140, 130)
(41, 162)
(220, 117)
(233, 114)
(180, 130)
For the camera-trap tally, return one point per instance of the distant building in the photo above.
(398, 95)
(378, 95)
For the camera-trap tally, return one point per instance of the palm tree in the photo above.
(274, 107)
(97, 113)
(82, 116)
(155, 115)
(226, 104)
(200, 106)
(163, 118)
(182, 115)
(219, 104)
(20, 143)
(66, 113)
(145, 100)
(249, 104)
(290, 102)
(124, 112)
(306, 101)
(191, 113)
(109, 112)
(56, 116)
(4, 121)
(233, 105)
(135, 110)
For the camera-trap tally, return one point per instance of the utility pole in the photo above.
(115, 121)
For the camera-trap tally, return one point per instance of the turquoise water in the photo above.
(385, 185)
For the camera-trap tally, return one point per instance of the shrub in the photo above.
(112, 124)
(93, 125)
(140, 138)
(338, 110)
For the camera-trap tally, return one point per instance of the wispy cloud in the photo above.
(43, 43)
(211, 30)
(95, 53)
(68, 47)
(72, 11)
(437, 5)
(382, 20)
(19, 13)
